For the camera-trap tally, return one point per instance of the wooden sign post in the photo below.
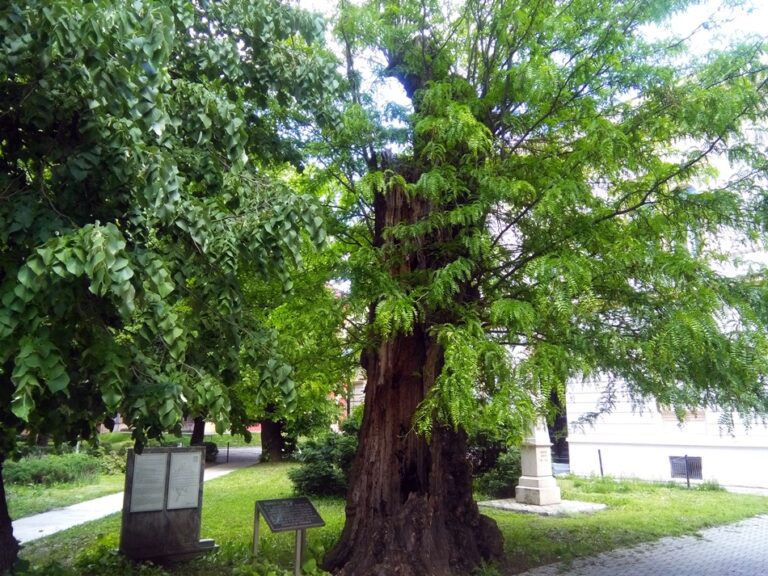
(286, 514)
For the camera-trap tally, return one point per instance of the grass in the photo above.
(637, 512)
(24, 500)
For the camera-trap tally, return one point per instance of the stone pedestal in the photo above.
(537, 484)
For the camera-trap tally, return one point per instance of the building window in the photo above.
(686, 467)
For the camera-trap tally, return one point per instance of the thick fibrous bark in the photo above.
(9, 546)
(410, 509)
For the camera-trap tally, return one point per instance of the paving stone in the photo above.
(739, 549)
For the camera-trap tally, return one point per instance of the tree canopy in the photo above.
(544, 208)
(533, 222)
(141, 152)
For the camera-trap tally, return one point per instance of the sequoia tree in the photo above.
(138, 147)
(550, 214)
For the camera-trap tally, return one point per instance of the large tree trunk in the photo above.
(410, 509)
(9, 546)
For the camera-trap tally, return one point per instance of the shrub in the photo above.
(112, 462)
(500, 481)
(483, 450)
(51, 469)
(710, 486)
(211, 451)
(326, 462)
(101, 559)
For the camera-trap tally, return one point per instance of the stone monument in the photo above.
(537, 484)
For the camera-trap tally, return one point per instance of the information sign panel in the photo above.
(149, 475)
(184, 481)
(290, 514)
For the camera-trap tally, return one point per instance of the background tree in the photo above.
(296, 367)
(135, 146)
(535, 226)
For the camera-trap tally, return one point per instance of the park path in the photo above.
(41, 525)
(739, 549)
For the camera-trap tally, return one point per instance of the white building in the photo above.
(651, 444)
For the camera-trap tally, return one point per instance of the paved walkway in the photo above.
(47, 523)
(739, 549)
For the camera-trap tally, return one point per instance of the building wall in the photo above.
(639, 442)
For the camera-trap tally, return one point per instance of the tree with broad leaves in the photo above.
(139, 144)
(528, 220)
(310, 335)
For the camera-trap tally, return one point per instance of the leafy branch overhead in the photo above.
(142, 147)
(559, 197)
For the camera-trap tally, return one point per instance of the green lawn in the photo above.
(637, 512)
(33, 499)
(25, 500)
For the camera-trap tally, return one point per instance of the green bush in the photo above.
(710, 486)
(500, 481)
(483, 450)
(326, 462)
(111, 461)
(52, 469)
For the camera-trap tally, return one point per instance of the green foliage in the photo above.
(486, 570)
(143, 154)
(395, 314)
(500, 481)
(112, 463)
(300, 356)
(710, 486)
(326, 462)
(103, 559)
(541, 209)
(52, 469)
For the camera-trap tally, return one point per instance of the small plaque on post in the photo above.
(286, 514)
(290, 514)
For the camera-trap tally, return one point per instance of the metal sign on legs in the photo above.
(284, 514)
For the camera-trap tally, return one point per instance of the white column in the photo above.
(537, 484)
